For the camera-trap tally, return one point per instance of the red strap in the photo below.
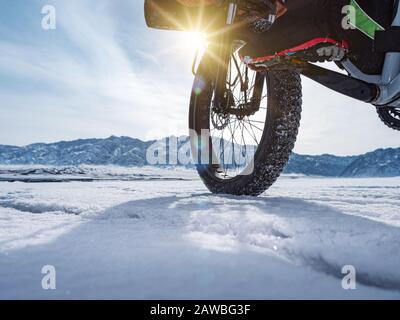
(303, 46)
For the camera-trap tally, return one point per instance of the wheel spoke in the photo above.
(239, 125)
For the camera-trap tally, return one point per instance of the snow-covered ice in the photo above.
(166, 239)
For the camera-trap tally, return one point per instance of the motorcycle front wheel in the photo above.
(242, 146)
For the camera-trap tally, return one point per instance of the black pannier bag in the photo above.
(171, 15)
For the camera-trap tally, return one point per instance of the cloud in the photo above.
(92, 75)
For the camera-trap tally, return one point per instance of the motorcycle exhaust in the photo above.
(341, 83)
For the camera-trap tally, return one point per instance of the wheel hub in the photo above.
(222, 113)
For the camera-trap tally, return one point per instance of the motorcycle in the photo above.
(244, 120)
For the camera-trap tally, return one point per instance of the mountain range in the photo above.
(126, 151)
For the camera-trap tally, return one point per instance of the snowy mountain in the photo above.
(380, 163)
(126, 151)
(123, 151)
(324, 165)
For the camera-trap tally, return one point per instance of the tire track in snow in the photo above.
(26, 203)
(321, 265)
(314, 235)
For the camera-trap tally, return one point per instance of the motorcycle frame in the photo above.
(388, 81)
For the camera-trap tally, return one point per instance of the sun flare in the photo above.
(194, 41)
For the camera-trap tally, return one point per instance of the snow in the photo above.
(86, 173)
(171, 239)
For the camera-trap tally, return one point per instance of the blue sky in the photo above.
(102, 73)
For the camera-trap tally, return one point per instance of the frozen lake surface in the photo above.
(171, 239)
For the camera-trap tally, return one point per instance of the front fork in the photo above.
(223, 50)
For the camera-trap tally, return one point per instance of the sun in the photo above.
(194, 41)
